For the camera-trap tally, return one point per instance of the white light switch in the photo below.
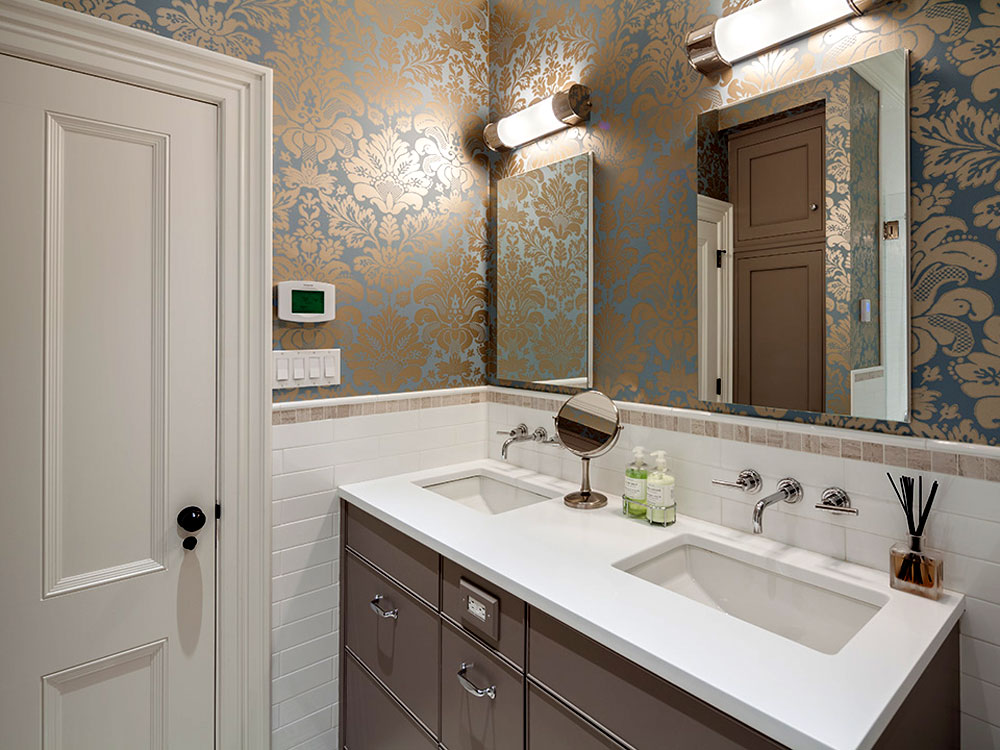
(301, 368)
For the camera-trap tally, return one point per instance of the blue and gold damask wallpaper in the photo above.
(381, 183)
(646, 103)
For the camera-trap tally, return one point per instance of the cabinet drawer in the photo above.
(373, 720)
(509, 639)
(403, 650)
(409, 562)
(551, 726)
(632, 703)
(470, 722)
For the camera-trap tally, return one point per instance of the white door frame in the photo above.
(38, 31)
(710, 275)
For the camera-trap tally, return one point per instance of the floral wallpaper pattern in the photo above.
(380, 180)
(642, 133)
(543, 272)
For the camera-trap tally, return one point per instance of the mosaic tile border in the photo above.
(376, 405)
(890, 451)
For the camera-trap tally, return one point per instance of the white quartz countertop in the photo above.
(561, 561)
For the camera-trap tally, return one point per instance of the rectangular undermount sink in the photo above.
(817, 617)
(485, 493)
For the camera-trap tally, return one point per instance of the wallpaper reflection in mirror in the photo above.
(805, 307)
(544, 267)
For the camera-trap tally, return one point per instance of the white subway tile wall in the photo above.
(317, 448)
(312, 457)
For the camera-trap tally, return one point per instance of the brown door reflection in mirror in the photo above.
(776, 176)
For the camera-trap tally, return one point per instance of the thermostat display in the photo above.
(306, 301)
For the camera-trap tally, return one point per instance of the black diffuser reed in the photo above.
(913, 569)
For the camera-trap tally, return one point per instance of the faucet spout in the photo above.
(516, 435)
(789, 490)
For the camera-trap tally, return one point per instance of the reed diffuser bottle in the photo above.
(912, 567)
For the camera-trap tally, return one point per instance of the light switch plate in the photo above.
(302, 368)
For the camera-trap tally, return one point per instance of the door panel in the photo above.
(108, 201)
(777, 182)
(780, 331)
(74, 702)
(107, 219)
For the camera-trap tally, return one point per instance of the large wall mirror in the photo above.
(803, 275)
(544, 270)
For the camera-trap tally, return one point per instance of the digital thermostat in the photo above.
(306, 301)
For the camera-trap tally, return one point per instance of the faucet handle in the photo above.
(748, 480)
(836, 500)
(520, 431)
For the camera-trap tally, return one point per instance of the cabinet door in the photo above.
(780, 330)
(403, 650)
(642, 709)
(510, 627)
(478, 722)
(373, 720)
(408, 561)
(552, 726)
(777, 182)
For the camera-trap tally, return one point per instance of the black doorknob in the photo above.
(191, 519)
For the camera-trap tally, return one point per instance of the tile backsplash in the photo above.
(318, 447)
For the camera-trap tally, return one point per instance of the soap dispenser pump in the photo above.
(634, 496)
(661, 506)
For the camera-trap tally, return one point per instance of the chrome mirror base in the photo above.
(585, 500)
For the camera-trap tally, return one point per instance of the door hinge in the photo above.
(718, 258)
(218, 510)
(718, 386)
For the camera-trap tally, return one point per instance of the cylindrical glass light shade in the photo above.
(529, 124)
(560, 111)
(768, 23)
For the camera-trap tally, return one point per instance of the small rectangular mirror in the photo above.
(803, 273)
(544, 275)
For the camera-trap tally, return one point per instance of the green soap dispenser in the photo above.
(661, 506)
(634, 497)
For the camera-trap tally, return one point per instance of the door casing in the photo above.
(48, 34)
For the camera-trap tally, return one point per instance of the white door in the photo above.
(715, 294)
(107, 413)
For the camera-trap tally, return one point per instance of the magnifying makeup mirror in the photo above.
(588, 425)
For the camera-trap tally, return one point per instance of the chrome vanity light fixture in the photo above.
(764, 25)
(563, 110)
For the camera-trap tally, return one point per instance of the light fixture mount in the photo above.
(566, 108)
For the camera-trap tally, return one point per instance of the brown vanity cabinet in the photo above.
(372, 719)
(482, 697)
(412, 564)
(395, 635)
(495, 674)
(553, 726)
(507, 634)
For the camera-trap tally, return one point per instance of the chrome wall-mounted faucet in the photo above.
(520, 434)
(748, 480)
(789, 490)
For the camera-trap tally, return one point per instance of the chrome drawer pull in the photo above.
(470, 686)
(386, 613)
